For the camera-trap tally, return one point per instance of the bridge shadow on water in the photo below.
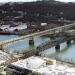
(57, 53)
(60, 52)
(61, 55)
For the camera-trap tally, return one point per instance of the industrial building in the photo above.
(38, 66)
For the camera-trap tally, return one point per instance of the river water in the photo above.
(67, 53)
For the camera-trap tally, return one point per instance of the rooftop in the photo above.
(30, 63)
(42, 66)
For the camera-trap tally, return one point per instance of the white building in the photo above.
(11, 29)
(38, 66)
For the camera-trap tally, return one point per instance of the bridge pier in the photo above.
(68, 42)
(31, 41)
(1, 47)
(74, 39)
(57, 48)
(37, 53)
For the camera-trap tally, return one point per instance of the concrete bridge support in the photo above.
(74, 39)
(68, 42)
(31, 41)
(37, 53)
(1, 47)
(57, 48)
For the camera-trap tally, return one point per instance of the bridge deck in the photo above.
(54, 30)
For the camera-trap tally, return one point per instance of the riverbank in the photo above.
(20, 32)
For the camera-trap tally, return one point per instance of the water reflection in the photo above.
(23, 45)
(67, 52)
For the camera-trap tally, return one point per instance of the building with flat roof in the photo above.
(38, 66)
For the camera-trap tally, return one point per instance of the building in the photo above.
(38, 66)
(26, 66)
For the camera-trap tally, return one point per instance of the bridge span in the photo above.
(54, 43)
(41, 33)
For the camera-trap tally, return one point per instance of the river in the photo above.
(66, 53)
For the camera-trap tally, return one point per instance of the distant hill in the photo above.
(37, 11)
